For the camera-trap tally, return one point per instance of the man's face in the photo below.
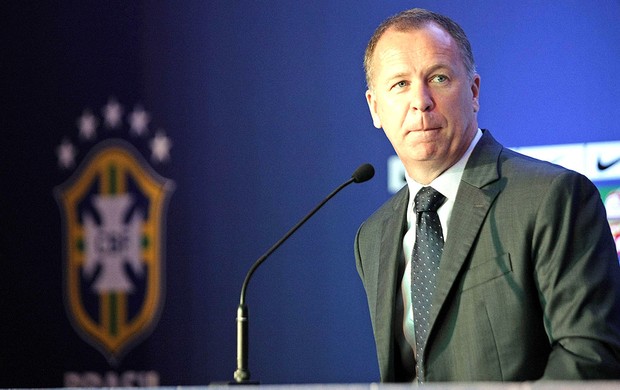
(423, 99)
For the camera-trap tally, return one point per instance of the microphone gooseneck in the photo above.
(363, 173)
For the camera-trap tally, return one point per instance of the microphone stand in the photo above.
(242, 374)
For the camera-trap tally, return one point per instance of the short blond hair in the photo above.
(415, 19)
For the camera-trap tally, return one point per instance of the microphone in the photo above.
(363, 173)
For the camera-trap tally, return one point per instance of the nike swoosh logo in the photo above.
(602, 166)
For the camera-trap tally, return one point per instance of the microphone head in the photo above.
(364, 173)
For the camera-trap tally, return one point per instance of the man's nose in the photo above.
(421, 99)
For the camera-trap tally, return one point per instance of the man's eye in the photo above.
(439, 78)
(400, 84)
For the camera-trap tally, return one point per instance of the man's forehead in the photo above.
(429, 33)
(428, 47)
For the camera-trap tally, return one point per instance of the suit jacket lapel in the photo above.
(387, 274)
(475, 196)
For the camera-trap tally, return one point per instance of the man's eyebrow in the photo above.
(433, 68)
(440, 66)
(398, 75)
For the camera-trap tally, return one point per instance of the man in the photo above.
(515, 275)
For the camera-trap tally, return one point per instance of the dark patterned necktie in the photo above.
(425, 265)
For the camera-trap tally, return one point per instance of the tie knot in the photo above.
(428, 199)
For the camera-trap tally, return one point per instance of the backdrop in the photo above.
(152, 151)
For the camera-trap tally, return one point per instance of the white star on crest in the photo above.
(160, 147)
(87, 123)
(139, 121)
(66, 154)
(112, 114)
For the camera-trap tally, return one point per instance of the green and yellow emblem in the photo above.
(114, 217)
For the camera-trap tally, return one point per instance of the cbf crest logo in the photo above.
(113, 209)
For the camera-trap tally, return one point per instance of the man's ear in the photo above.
(372, 106)
(475, 90)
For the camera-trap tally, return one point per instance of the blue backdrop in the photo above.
(263, 105)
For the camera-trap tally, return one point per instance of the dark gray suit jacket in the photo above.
(529, 282)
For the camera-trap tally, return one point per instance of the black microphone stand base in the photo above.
(242, 375)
